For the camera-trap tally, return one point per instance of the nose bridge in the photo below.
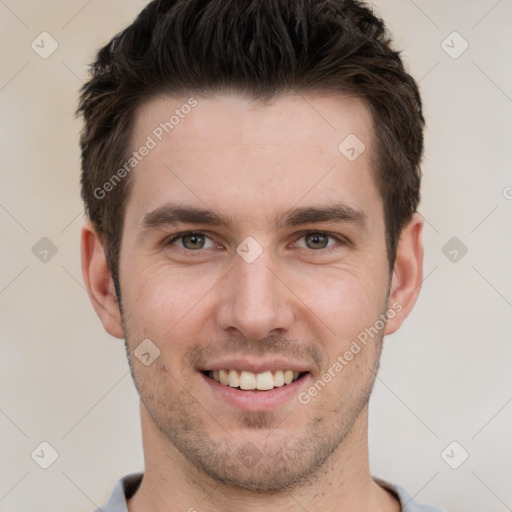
(253, 299)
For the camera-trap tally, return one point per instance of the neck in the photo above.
(343, 483)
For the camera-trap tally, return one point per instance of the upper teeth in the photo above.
(249, 380)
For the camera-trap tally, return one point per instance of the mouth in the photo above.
(267, 384)
(251, 381)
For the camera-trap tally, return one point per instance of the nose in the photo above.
(254, 300)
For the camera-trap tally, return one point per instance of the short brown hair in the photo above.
(260, 48)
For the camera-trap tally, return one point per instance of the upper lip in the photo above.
(255, 366)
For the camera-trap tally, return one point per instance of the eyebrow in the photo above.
(171, 213)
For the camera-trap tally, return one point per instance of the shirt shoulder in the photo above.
(407, 503)
(124, 489)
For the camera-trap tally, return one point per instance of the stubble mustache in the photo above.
(309, 354)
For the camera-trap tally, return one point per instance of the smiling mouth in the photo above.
(246, 380)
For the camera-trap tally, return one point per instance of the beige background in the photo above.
(445, 376)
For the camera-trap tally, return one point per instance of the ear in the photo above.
(98, 280)
(407, 273)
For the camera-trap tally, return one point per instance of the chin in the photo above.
(264, 461)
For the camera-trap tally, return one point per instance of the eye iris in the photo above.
(193, 241)
(316, 240)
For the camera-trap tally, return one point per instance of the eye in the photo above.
(192, 240)
(317, 240)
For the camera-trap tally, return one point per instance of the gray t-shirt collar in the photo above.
(128, 485)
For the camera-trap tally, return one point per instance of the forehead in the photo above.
(320, 119)
(228, 152)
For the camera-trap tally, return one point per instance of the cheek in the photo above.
(162, 301)
(346, 299)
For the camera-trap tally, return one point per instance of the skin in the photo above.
(296, 302)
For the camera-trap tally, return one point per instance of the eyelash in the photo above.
(340, 240)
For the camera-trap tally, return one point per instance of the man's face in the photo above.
(286, 283)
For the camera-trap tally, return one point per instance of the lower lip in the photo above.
(256, 401)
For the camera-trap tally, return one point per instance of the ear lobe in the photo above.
(407, 273)
(98, 281)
